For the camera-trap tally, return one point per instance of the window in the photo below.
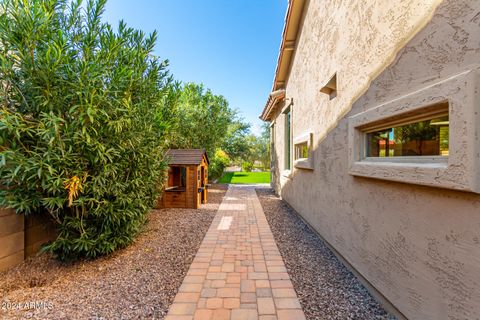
(177, 177)
(414, 138)
(303, 151)
(427, 137)
(288, 142)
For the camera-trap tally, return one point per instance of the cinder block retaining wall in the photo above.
(12, 238)
(21, 237)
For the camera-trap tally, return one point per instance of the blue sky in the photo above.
(229, 45)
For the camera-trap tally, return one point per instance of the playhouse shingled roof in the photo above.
(186, 156)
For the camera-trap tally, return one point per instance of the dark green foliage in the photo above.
(236, 144)
(197, 118)
(80, 127)
(203, 119)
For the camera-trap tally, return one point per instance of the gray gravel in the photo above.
(325, 287)
(138, 282)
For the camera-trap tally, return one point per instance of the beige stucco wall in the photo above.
(419, 246)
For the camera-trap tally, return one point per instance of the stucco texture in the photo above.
(419, 246)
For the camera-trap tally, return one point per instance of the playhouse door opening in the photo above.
(204, 187)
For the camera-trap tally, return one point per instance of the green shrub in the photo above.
(247, 166)
(218, 163)
(78, 134)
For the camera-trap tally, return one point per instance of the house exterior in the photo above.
(375, 139)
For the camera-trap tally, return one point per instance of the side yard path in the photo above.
(138, 282)
(238, 272)
(326, 288)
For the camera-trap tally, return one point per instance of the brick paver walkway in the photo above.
(238, 272)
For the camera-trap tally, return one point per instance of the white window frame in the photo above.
(460, 170)
(304, 163)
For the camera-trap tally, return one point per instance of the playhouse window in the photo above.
(177, 177)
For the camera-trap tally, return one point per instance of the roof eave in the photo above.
(273, 98)
(288, 45)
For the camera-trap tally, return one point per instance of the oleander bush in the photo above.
(80, 137)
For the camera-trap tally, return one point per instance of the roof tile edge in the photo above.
(293, 18)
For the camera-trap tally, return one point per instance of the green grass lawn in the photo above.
(245, 177)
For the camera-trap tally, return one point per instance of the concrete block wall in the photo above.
(12, 239)
(38, 230)
(22, 237)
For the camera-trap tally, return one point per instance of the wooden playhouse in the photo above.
(186, 185)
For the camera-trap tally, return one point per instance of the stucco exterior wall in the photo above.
(419, 246)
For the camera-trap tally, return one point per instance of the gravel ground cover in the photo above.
(325, 287)
(138, 282)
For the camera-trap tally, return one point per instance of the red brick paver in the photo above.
(238, 272)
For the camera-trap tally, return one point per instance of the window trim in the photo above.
(272, 145)
(287, 166)
(304, 163)
(298, 150)
(460, 170)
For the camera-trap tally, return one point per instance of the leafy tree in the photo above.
(263, 154)
(167, 116)
(255, 148)
(80, 126)
(236, 144)
(418, 132)
(197, 118)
